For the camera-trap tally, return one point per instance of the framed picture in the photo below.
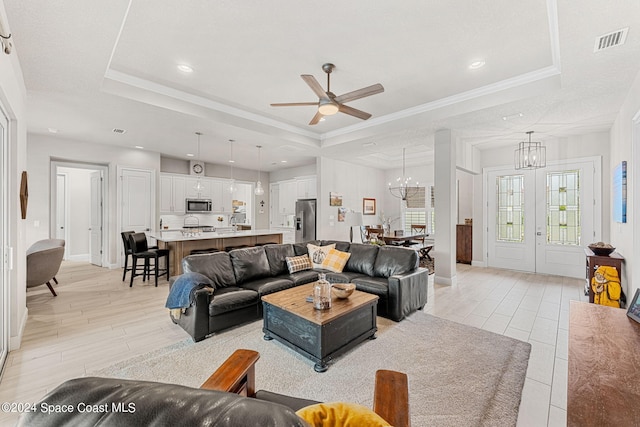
(342, 212)
(634, 307)
(368, 206)
(335, 199)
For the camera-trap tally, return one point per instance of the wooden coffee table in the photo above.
(319, 335)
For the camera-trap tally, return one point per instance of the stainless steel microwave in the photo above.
(198, 205)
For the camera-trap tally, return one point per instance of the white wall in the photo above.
(466, 195)
(626, 237)
(13, 101)
(44, 148)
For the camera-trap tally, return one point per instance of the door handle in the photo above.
(539, 233)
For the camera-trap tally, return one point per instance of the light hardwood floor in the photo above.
(97, 320)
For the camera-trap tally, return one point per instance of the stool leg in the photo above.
(155, 268)
(126, 263)
(166, 264)
(134, 267)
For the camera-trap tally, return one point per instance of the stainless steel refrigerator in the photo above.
(305, 220)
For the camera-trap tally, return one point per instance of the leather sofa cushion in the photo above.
(393, 260)
(362, 259)
(250, 264)
(155, 404)
(302, 277)
(268, 285)
(373, 285)
(232, 298)
(301, 248)
(344, 277)
(276, 255)
(216, 266)
(340, 245)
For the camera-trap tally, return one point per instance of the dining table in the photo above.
(407, 239)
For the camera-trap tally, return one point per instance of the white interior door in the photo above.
(61, 209)
(137, 201)
(95, 229)
(4, 251)
(540, 220)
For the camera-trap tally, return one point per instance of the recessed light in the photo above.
(185, 68)
(477, 64)
(232, 161)
(513, 116)
(190, 155)
(139, 147)
(283, 161)
(52, 130)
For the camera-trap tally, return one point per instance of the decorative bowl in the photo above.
(602, 250)
(343, 290)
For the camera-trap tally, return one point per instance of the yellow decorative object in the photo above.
(606, 287)
(335, 260)
(339, 414)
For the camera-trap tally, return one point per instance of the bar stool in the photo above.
(127, 252)
(140, 249)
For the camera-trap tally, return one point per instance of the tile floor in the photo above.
(97, 320)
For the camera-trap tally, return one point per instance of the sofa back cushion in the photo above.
(393, 261)
(340, 246)
(301, 248)
(362, 259)
(276, 255)
(216, 266)
(250, 263)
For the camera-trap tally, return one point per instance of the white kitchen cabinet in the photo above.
(172, 194)
(287, 197)
(190, 188)
(306, 188)
(288, 236)
(220, 196)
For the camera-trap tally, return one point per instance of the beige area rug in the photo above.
(458, 375)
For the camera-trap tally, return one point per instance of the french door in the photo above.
(540, 220)
(4, 250)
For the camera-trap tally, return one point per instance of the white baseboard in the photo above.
(447, 281)
(478, 264)
(79, 258)
(16, 341)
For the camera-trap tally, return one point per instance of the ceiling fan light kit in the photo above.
(328, 103)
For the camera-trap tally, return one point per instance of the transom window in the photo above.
(510, 218)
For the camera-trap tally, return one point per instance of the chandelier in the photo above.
(403, 187)
(530, 155)
(259, 191)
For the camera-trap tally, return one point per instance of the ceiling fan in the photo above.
(328, 103)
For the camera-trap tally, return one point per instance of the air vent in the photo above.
(120, 131)
(610, 40)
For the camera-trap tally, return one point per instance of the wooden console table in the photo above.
(604, 367)
(594, 261)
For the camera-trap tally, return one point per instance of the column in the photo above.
(445, 207)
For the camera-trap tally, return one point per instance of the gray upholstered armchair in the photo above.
(43, 262)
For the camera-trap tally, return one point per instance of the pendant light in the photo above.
(199, 187)
(404, 187)
(232, 182)
(530, 154)
(259, 191)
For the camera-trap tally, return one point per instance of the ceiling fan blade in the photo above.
(314, 85)
(316, 119)
(293, 104)
(360, 93)
(354, 112)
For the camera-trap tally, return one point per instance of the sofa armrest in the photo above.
(236, 375)
(407, 293)
(195, 319)
(391, 397)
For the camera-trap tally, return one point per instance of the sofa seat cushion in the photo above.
(250, 264)
(373, 285)
(277, 256)
(393, 261)
(302, 277)
(362, 259)
(344, 277)
(216, 266)
(232, 298)
(268, 285)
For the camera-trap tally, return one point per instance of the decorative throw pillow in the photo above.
(335, 260)
(339, 414)
(298, 263)
(317, 254)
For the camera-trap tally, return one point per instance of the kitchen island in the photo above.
(181, 244)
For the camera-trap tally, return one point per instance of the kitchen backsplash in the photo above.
(172, 222)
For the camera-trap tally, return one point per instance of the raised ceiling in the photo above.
(90, 67)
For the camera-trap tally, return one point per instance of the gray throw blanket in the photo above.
(183, 290)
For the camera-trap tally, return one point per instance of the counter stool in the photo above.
(140, 249)
(127, 252)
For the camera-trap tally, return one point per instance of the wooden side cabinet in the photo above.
(594, 261)
(464, 243)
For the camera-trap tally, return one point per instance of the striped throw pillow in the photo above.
(335, 260)
(298, 263)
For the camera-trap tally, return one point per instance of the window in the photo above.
(563, 208)
(415, 211)
(510, 217)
